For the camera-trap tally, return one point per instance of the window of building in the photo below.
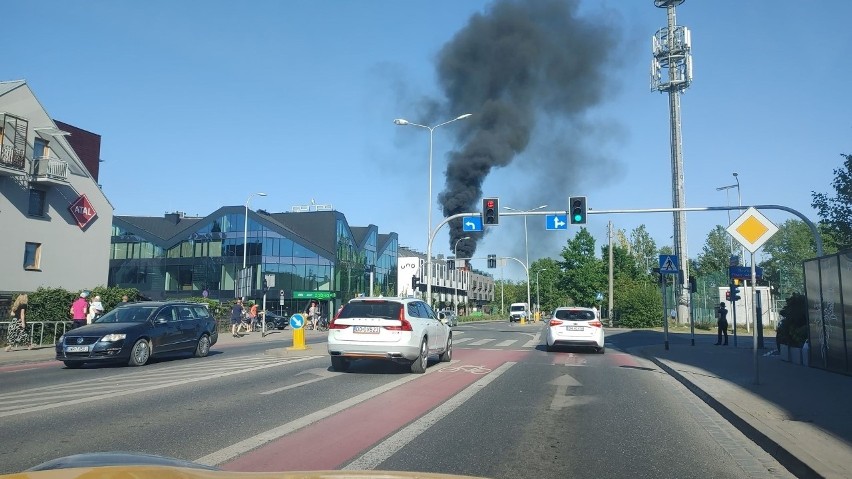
(32, 256)
(37, 203)
(40, 148)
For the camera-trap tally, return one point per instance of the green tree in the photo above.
(638, 304)
(583, 274)
(548, 283)
(715, 256)
(792, 244)
(643, 248)
(836, 212)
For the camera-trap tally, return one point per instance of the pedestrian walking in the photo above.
(79, 309)
(313, 314)
(96, 309)
(236, 317)
(252, 316)
(18, 325)
(721, 324)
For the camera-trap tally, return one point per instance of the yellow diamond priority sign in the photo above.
(752, 229)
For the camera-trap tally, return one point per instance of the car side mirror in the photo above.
(161, 320)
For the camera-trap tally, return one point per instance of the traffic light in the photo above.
(578, 210)
(734, 293)
(414, 280)
(490, 211)
(492, 260)
(727, 295)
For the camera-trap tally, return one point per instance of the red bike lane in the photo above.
(336, 440)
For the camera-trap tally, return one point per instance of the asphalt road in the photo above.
(503, 408)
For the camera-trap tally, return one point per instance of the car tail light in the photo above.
(595, 323)
(555, 322)
(334, 325)
(405, 326)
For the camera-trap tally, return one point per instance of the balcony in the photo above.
(12, 161)
(48, 170)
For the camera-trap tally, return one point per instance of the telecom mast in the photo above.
(672, 51)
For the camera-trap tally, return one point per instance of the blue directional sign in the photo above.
(668, 264)
(472, 223)
(744, 272)
(297, 321)
(556, 222)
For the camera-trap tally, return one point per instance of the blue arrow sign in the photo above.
(297, 321)
(668, 264)
(472, 223)
(556, 222)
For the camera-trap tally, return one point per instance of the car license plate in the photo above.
(366, 329)
(76, 349)
(574, 328)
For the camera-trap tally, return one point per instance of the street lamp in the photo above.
(727, 200)
(527, 244)
(455, 280)
(403, 122)
(245, 229)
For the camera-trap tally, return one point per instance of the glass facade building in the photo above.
(303, 255)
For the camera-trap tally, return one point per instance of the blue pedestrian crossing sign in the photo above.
(556, 222)
(472, 223)
(297, 321)
(668, 264)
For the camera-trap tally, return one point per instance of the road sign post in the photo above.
(297, 323)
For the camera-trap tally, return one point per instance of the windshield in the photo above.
(518, 308)
(128, 314)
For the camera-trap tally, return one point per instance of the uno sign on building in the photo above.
(82, 211)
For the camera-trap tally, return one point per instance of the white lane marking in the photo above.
(481, 342)
(321, 373)
(63, 401)
(535, 341)
(235, 450)
(508, 342)
(461, 340)
(385, 449)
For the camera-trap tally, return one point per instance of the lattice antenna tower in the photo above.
(671, 48)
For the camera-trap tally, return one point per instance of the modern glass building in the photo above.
(298, 255)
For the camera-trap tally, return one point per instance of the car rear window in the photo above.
(575, 314)
(370, 309)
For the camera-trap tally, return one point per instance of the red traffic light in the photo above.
(489, 203)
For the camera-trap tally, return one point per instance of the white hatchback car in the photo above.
(575, 326)
(403, 330)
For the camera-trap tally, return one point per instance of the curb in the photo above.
(792, 463)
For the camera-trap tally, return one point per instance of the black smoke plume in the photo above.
(511, 65)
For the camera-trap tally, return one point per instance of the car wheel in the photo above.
(447, 355)
(549, 348)
(203, 346)
(73, 364)
(140, 353)
(339, 364)
(418, 366)
(601, 349)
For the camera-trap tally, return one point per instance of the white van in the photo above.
(518, 311)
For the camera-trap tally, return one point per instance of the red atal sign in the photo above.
(82, 211)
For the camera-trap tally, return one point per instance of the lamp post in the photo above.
(455, 280)
(728, 203)
(428, 276)
(527, 245)
(245, 230)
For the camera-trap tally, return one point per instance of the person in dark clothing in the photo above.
(722, 324)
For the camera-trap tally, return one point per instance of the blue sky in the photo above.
(201, 103)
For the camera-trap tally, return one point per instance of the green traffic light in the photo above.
(578, 217)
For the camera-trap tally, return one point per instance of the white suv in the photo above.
(404, 330)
